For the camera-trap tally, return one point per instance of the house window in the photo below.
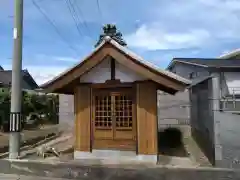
(193, 75)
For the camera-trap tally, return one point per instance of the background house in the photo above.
(28, 83)
(214, 105)
(226, 69)
(235, 54)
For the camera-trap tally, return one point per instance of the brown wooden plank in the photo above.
(141, 123)
(113, 69)
(83, 118)
(129, 145)
(147, 118)
(111, 85)
(152, 122)
(77, 121)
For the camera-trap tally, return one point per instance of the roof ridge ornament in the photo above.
(107, 38)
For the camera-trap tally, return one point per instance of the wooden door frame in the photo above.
(110, 87)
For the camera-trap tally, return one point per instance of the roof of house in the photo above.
(129, 54)
(28, 81)
(1, 68)
(230, 55)
(213, 63)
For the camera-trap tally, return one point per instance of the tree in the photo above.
(111, 31)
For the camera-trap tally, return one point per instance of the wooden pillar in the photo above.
(147, 118)
(82, 103)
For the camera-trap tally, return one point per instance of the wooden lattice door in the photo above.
(113, 119)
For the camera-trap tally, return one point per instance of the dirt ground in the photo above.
(62, 144)
(28, 135)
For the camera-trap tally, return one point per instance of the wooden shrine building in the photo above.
(115, 100)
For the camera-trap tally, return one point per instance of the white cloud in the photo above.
(44, 57)
(42, 74)
(66, 59)
(225, 5)
(152, 38)
(188, 24)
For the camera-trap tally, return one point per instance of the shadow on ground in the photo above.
(170, 143)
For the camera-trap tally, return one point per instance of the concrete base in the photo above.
(115, 155)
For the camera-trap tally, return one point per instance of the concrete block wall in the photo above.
(202, 120)
(222, 144)
(173, 109)
(66, 112)
(229, 141)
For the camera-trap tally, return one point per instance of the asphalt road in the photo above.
(23, 177)
(110, 172)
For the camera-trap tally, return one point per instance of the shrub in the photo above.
(45, 107)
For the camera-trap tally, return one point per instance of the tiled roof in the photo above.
(215, 63)
(6, 79)
(230, 54)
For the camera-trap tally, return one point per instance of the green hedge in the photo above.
(45, 107)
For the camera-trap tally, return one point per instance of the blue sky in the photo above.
(156, 30)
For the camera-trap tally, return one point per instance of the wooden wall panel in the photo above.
(82, 102)
(147, 118)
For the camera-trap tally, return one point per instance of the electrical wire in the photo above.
(54, 26)
(74, 16)
(81, 14)
(99, 10)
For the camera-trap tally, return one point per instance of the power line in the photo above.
(74, 16)
(54, 26)
(99, 10)
(81, 14)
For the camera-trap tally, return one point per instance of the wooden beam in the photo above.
(82, 103)
(147, 118)
(113, 69)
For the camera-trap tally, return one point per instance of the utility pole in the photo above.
(16, 90)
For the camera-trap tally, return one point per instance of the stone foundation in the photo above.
(115, 155)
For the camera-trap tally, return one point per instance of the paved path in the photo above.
(96, 171)
(23, 177)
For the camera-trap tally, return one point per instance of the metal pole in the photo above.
(16, 90)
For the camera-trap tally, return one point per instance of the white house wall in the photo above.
(127, 75)
(102, 72)
(233, 82)
(185, 70)
(230, 80)
(98, 74)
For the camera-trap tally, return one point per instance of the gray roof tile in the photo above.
(215, 63)
(6, 79)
